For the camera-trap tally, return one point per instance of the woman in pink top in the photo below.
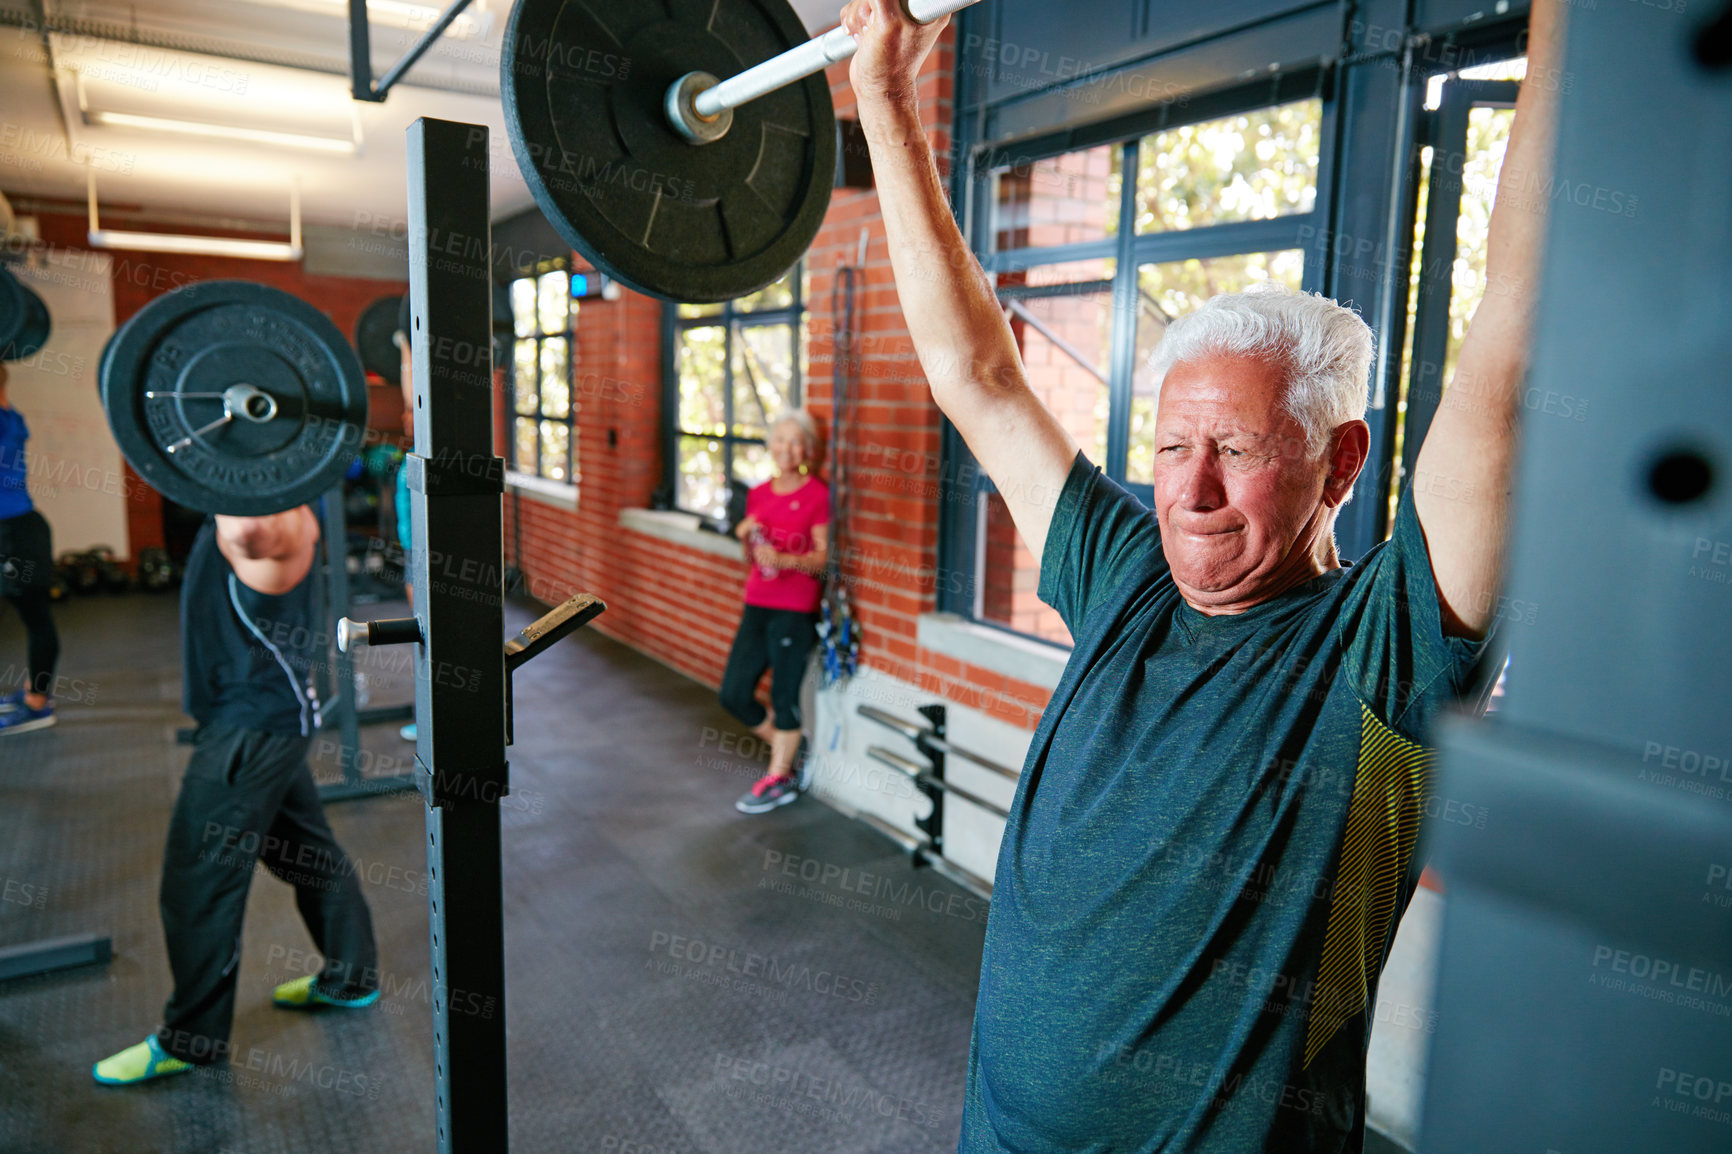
(787, 533)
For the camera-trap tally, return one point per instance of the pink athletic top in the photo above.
(788, 520)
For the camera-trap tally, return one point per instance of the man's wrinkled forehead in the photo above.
(1219, 418)
(1224, 396)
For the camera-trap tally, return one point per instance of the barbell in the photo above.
(233, 397)
(674, 182)
(700, 107)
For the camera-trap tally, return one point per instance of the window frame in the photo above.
(1426, 329)
(731, 319)
(533, 472)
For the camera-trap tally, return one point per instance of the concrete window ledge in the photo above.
(556, 493)
(999, 650)
(681, 529)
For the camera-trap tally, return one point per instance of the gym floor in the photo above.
(669, 987)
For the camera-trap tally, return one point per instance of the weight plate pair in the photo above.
(373, 338)
(233, 397)
(584, 82)
(24, 320)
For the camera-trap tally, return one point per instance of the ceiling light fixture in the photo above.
(225, 131)
(400, 14)
(100, 237)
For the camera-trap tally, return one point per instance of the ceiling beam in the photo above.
(36, 21)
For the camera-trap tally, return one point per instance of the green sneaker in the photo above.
(300, 995)
(138, 1063)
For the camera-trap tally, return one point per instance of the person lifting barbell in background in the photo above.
(26, 574)
(1210, 844)
(247, 630)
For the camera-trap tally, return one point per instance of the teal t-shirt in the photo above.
(1208, 851)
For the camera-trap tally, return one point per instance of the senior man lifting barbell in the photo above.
(1212, 840)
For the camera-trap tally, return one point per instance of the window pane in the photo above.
(1059, 200)
(714, 310)
(555, 379)
(701, 487)
(553, 304)
(1009, 576)
(1246, 167)
(555, 442)
(702, 358)
(1487, 138)
(763, 377)
(524, 379)
(525, 442)
(1167, 291)
(779, 295)
(1513, 69)
(523, 306)
(753, 463)
(1416, 262)
(1077, 273)
(1066, 344)
(805, 349)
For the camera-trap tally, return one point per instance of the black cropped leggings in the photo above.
(778, 640)
(26, 575)
(42, 646)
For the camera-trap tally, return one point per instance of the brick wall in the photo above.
(681, 605)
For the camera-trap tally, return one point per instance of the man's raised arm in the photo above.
(270, 554)
(965, 345)
(1461, 482)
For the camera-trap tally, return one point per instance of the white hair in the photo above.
(802, 420)
(1323, 348)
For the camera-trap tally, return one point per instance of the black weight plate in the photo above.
(205, 338)
(102, 367)
(34, 333)
(373, 333)
(583, 83)
(14, 309)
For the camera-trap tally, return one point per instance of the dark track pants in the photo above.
(249, 796)
(778, 640)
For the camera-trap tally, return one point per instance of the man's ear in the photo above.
(1349, 448)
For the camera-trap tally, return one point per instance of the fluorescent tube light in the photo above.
(291, 249)
(225, 131)
(399, 14)
(203, 245)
